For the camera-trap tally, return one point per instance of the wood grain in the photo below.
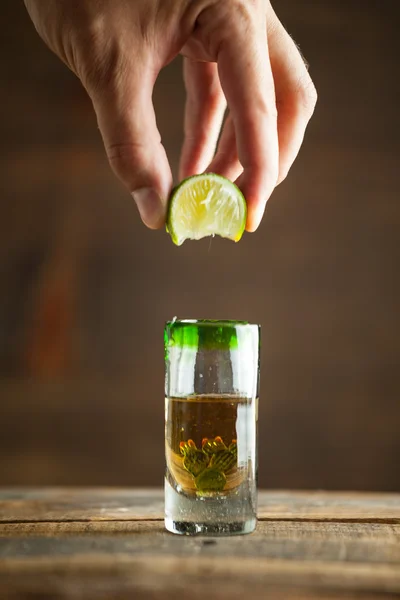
(320, 275)
(111, 543)
(342, 544)
(223, 577)
(99, 504)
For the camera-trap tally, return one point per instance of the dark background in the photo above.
(85, 288)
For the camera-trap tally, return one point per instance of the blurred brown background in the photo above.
(85, 288)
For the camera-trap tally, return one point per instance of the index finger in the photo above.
(247, 81)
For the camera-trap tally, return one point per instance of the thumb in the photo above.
(127, 123)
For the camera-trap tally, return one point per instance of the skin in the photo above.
(237, 55)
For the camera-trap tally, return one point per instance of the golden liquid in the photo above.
(201, 434)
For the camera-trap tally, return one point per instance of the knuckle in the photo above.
(215, 97)
(121, 151)
(221, 20)
(122, 157)
(209, 95)
(99, 54)
(265, 106)
(104, 68)
(247, 15)
(306, 96)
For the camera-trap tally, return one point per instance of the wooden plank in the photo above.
(32, 589)
(272, 529)
(69, 504)
(99, 504)
(226, 577)
(345, 543)
(330, 506)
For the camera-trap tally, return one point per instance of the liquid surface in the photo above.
(210, 443)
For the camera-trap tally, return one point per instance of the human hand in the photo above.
(236, 52)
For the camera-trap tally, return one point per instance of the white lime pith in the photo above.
(205, 205)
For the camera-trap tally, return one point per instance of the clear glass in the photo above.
(211, 407)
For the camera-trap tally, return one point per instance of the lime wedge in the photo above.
(204, 205)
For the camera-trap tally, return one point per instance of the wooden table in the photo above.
(111, 543)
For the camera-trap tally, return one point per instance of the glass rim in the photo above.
(207, 334)
(210, 322)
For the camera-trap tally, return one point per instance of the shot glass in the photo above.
(211, 409)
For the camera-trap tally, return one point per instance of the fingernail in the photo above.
(150, 207)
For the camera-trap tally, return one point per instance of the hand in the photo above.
(236, 51)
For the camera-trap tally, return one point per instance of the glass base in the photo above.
(210, 529)
(220, 515)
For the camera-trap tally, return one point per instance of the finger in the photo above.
(238, 34)
(132, 141)
(204, 112)
(295, 96)
(226, 161)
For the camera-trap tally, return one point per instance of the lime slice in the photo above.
(204, 205)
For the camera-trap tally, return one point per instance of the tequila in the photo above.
(204, 436)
